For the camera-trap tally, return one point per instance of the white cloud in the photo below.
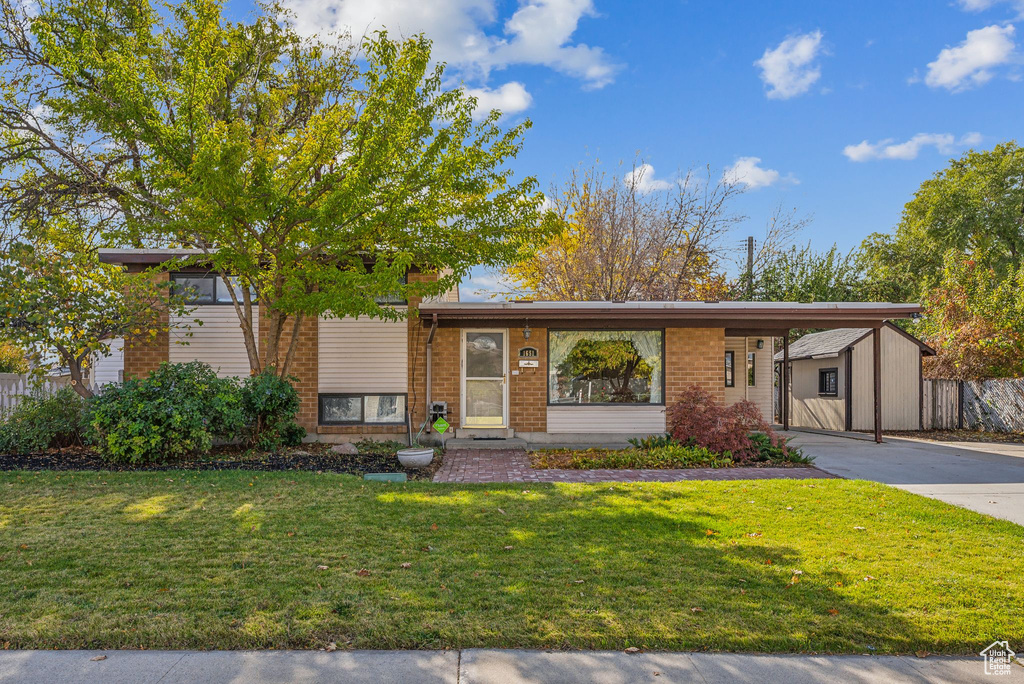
(889, 149)
(982, 5)
(482, 286)
(747, 171)
(538, 32)
(642, 177)
(789, 69)
(970, 63)
(510, 98)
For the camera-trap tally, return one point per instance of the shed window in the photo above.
(828, 382)
(606, 367)
(730, 369)
(362, 409)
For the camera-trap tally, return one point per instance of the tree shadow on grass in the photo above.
(301, 560)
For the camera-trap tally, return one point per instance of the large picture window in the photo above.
(606, 367)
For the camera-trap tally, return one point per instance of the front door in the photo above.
(484, 387)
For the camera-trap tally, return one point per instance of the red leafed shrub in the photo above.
(698, 419)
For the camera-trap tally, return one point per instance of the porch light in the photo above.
(760, 344)
(526, 332)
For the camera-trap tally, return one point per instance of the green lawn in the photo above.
(259, 560)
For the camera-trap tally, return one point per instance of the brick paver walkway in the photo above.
(513, 465)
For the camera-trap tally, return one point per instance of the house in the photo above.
(831, 379)
(545, 371)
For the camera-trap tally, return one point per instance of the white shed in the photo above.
(831, 381)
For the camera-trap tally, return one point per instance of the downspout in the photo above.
(746, 361)
(430, 359)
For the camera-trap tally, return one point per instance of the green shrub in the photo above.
(653, 441)
(270, 403)
(177, 411)
(777, 451)
(44, 422)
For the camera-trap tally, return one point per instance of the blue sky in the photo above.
(836, 109)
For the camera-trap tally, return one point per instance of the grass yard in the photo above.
(259, 560)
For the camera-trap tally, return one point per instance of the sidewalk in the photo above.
(478, 666)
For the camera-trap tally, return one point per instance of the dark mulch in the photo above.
(960, 436)
(314, 457)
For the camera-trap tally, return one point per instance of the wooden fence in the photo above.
(992, 405)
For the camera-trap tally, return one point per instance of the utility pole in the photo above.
(750, 268)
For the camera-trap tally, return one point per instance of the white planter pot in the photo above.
(415, 457)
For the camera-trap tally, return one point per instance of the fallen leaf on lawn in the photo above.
(406, 566)
(858, 527)
(743, 591)
(753, 534)
(502, 512)
(794, 579)
(508, 548)
(578, 581)
(921, 654)
(321, 567)
(868, 578)
(789, 508)
(695, 609)
(427, 548)
(632, 649)
(710, 533)
(798, 572)
(768, 561)
(434, 526)
(363, 572)
(833, 611)
(331, 647)
(99, 657)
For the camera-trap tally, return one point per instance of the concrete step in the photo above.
(465, 443)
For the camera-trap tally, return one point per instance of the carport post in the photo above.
(876, 345)
(784, 394)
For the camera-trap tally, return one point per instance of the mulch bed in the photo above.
(561, 459)
(313, 457)
(960, 436)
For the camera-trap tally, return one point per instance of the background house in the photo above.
(831, 379)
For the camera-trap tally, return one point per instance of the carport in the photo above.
(872, 317)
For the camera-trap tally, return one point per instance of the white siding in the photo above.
(108, 369)
(761, 392)
(625, 419)
(809, 409)
(218, 342)
(363, 355)
(901, 383)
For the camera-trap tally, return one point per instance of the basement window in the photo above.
(828, 382)
(362, 409)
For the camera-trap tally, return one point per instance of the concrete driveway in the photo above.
(988, 478)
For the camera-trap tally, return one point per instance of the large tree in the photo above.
(975, 320)
(619, 239)
(976, 204)
(315, 173)
(63, 307)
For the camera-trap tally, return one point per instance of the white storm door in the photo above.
(484, 386)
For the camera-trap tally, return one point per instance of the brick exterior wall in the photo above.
(694, 356)
(304, 365)
(528, 391)
(142, 358)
